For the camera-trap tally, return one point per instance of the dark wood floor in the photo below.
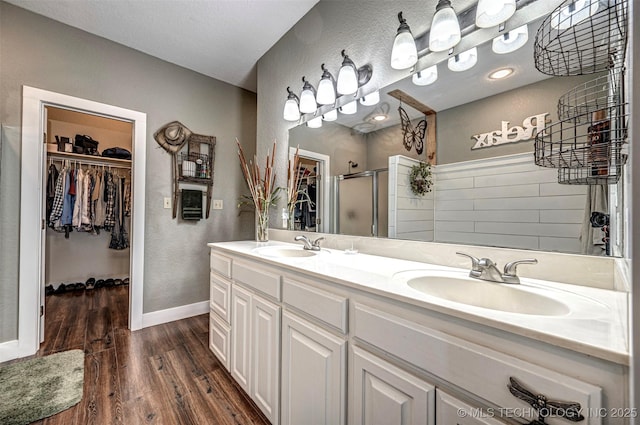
(164, 374)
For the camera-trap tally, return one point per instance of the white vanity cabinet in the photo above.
(311, 350)
(381, 393)
(453, 411)
(313, 374)
(255, 348)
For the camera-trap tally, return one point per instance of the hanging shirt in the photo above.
(69, 199)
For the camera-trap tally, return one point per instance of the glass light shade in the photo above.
(347, 80)
(315, 123)
(326, 92)
(291, 111)
(445, 28)
(490, 13)
(404, 53)
(573, 13)
(463, 61)
(426, 76)
(510, 41)
(332, 115)
(350, 108)
(307, 102)
(370, 99)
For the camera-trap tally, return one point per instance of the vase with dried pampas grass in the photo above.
(264, 193)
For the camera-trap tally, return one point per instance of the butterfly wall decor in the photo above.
(412, 137)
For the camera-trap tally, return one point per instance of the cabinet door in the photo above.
(265, 352)
(452, 411)
(241, 336)
(385, 394)
(313, 374)
(219, 336)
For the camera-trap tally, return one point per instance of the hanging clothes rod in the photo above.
(86, 160)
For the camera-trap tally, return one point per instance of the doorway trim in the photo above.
(325, 171)
(34, 101)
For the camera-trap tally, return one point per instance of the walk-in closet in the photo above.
(88, 207)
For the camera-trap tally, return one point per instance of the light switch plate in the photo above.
(167, 203)
(217, 204)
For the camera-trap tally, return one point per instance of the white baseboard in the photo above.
(9, 350)
(175, 313)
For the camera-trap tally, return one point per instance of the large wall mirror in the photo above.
(485, 192)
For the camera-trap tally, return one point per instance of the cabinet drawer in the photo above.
(477, 369)
(219, 339)
(450, 410)
(258, 278)
(220, 264)
(219, 294)
(327, 307)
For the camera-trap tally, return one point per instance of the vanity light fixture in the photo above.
(404, 53)
(445, 28)
(573, 13)
(315, 123)
(326, 88)
(291, 108)
(350, 108)
(510, 41)
(347, 76)
(463, 60)
(490, 13)
(307, 98)
(501, 73)
(331, 115)
(370, 99)
(426, 76)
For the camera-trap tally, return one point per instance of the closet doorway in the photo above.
(312, 209)
(37, 104)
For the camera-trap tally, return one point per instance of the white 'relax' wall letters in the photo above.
(530, 127)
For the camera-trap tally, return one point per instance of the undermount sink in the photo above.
(284, 252)
(494, 296)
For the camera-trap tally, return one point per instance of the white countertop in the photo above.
(596, 326)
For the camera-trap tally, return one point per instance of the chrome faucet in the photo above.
(308, 245)
(485, 269)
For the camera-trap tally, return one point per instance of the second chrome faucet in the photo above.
(308, 245)
(485, 269)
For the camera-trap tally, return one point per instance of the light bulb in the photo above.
(370, 99)
(404, 53)
(573, 13)
(291, 111)
(315, 123)
(490, 13)
(445, 29)
(426, 76)
(464, 60)
(332, 115)
(350, 108)
(510, 41)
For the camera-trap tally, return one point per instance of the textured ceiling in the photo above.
(220, 39)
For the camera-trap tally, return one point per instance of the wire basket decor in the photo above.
(582, 37)
(606, 173)
(590, 145)
(600, 93)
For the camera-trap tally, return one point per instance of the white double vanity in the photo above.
(335, 337)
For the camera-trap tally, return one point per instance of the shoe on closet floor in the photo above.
(60, 289)
(80, 286)
(90, 283)
(99, 283)
(117, 282)
(48, 289)
(69, 287)
(108, 282)
(125, 281)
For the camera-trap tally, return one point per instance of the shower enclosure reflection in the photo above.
(361, 203)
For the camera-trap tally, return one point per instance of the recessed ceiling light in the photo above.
(380, 117)
(501, 73)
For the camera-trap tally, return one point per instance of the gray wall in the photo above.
(39, 52)
(457, 125)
